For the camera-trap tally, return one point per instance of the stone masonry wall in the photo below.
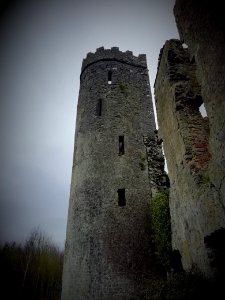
(196, 210)
(108, 245)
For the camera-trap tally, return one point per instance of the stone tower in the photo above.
(108, 232)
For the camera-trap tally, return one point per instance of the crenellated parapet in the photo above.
(114, 54)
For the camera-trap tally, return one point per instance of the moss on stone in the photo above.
(162, 228)
(142, 164)
(123, 88)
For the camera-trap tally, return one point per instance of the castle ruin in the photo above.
(118, 163)
(108, 232)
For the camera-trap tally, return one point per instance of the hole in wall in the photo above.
(185, 46)
(176, 261)
(121, 145)
(192, 59)
(110, 77)
(121, 197)
(215, 244)
(99, 107)
(203, 110)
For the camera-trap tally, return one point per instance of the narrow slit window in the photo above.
(121, 145)
(99, 107)
(110, 77)
(121, 197)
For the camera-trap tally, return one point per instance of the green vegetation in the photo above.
(33, 270)
(142, 164)
(205, 179)
(180, 286)
(162, 229)
(123, 89)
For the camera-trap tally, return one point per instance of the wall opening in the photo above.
(192, 60)
(185, 46)
(203, 110)
(110, 77)
(99, 107)
(176, 261)
(215, 244)
(121, 145)
(121, 197)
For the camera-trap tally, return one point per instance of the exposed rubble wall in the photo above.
(196, 210)
(159, 180)
(201, 27)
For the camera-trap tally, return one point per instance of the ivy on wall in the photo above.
(162, 228)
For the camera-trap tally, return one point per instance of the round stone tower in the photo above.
(107, 248)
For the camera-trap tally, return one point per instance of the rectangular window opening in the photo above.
(121, 197)
(110, 77)
(99, 107)
(121, 145)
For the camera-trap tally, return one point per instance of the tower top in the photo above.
(112, 54)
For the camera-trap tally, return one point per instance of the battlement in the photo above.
(114, 54)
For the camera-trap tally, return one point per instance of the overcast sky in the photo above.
(42, 45)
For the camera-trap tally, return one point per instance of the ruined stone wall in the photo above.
(108, 248)
(195, 205)
(158, 178)
(201, 27)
